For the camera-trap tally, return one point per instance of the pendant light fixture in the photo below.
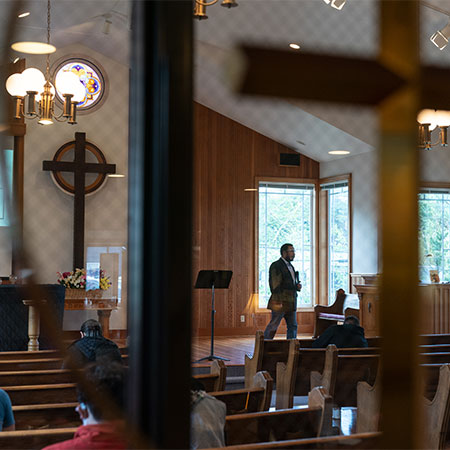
(36, 87)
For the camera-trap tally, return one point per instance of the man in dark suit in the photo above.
(284, 285)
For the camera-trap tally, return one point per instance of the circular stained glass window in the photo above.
(90, 76)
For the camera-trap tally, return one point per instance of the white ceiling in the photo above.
(318, 28)
(310, 128)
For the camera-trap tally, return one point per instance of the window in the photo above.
(90, 76)
(4, 216)
(338, 238)
(286, 214)
(434, 236)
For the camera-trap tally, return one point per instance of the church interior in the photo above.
(184, 146)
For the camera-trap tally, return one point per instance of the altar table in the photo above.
(103, 306)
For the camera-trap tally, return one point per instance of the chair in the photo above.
(326, 316)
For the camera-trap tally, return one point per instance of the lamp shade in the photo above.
(15, 86)
(428, 116)
(33, 80)
(442, 118)
(80, 93)
(67, 83)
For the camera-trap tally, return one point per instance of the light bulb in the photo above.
(33, 80)
(15, 86)
(67, 83)
(443, 118)
(80, 93)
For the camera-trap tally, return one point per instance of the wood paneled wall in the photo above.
(227, 158)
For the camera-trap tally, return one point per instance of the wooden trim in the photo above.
(323, 235)
(316, 274)
(310, 181)
(434, 184)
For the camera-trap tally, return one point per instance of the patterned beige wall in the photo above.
(48, 226)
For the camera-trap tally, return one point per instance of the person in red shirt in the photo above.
(100, 404)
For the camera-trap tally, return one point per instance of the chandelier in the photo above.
(200, 7)
(429, 120)
(32, 83)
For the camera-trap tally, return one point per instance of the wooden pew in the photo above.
(435, 358)
(294, 376)
(326, 316)
(41, 354)
(52, 415)
(34, 439)
(342, 373)
(268, 352)
(313, 421)
(356, 441)
(444, 348)
(30, 364)
(31, 377)
(436, 411)
(42, 394)
(253, 399)
(433, 339)
(215, 380)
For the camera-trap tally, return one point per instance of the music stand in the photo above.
(213, 279)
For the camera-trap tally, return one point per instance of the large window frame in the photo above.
(431, 188)
(323, 232)
(314, 252)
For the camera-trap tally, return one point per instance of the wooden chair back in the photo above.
(336, 308)
(52, 415)
(368, 400)
(253, 399)
(216, 379)
(284, 424)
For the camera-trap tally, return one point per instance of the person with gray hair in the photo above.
(92, 347)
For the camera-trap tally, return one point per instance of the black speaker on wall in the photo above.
(289, 159)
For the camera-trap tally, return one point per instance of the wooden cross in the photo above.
(79, 167)
(399, 86)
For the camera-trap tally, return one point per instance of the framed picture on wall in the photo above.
(434, 276)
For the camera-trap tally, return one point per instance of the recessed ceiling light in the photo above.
(338, 152)
(116, 175)
(24, 14)
(294, 46)
(250, 190)
(33, 48)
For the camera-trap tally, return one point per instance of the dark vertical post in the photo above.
(399, 175)
(160, 204)
(78, 202)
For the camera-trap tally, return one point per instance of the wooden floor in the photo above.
(233, 348)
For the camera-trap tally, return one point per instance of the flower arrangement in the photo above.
(77, 279)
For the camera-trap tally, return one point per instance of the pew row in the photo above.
(356, 441)
(34, 439)
(294, 376)
(268, 352)
(247, 400)
(215, 380)
(436, 412)
(41, 394)
(32, 377)
(342, 373)
(313, 421)
(52, 415)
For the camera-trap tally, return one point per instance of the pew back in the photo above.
(52, 415)
(41, 394)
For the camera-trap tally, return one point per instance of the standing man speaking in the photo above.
(284, 284)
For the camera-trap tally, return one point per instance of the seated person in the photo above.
(207, 418)
(92, 346)
(349, 335)
(6, 413)
(100, 405)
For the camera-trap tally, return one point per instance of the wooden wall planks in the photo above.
(227, 158)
